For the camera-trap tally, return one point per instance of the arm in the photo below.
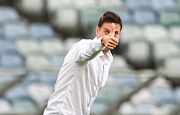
(89, 51)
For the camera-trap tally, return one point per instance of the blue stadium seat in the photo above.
(41, 30)
(126, 79)
(13, 30)
(163, 5)
(144, 17)
(8, 14)
(138, 4)
(177, 94)
(5, 79)
(146, 109)
(2, 36)
(18, 92)
(57, 61)
(7, 47)
(11, 61)
(49, 79)
(163, 96)
(99, 106)
(125, 17)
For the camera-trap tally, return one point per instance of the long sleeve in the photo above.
(88, 51)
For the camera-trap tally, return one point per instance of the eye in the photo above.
(107, 32)
(116, 33)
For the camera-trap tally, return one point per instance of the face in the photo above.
(106, 29)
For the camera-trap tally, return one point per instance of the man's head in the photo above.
(105, 24)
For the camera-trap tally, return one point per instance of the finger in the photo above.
(114, 39)
(112, 33)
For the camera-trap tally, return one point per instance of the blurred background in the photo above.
(35, 36)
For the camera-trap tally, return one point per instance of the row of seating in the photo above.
(157, 99)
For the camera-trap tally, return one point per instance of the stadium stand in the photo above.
(35, 36)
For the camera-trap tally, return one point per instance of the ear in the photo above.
(97, 30)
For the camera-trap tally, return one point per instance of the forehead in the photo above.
(108, 25)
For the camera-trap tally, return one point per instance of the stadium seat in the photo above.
(17, 92)
(2, 36)
(82, 4)
(6, 107)
(23, 106)
(66, 24)
(126, 17)
(41, 30)
(54, 5)
(126, 108)
(110, 94)
(138, 4)
(174, 33)
(57, 61)
(5, 79)
(98, 107)
(90, 18)
(138, 54)
(136, 34)
(126, 80)
(8, 14)
(38, 62)
(172, 67)
(11, 61)
(163, 50)
(69, 42)
(49, 79)
(163, 96)
(30, 8)
(7, 47)
(144, 109)
(112, 5)
(177, 93)
(28, 47)
(52, 47)
(119, 64)
(154, 33)
(160, 82)
(170, 19)
(163, 5)
(143, 96)
(13, 31)
(144, 17)
(40, 92)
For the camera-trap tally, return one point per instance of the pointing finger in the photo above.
(112, 33)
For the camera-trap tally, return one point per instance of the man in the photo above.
(85, 70)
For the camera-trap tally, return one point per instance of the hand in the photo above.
(109, 41)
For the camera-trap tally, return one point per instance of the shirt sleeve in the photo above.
(89, 51)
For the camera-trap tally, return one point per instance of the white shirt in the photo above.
(83, 73)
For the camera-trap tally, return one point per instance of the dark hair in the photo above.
(110, 17)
